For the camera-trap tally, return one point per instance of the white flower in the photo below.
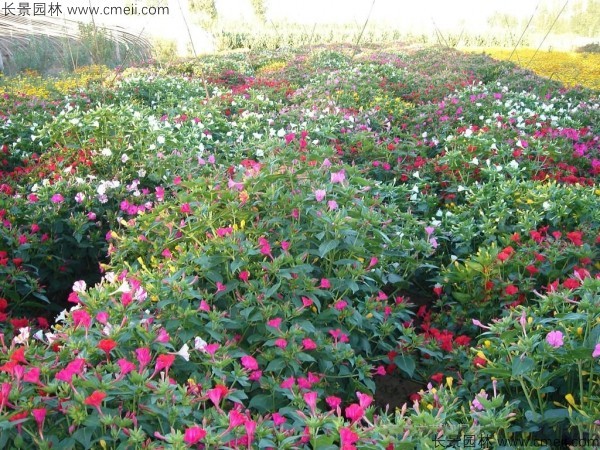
(475, 161)
(513, 164)
(79, 286)
(184, 352)
(79, 197)
(199, 343)
(546, 205)
(62, 317)
(160, 139)
(23, 336)
(124, 158)
(106, 152)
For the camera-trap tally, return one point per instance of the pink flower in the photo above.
(333, 401)
(144, 357)
(373, 262)
(193, 435)
(289, 137)
(125, 366)
(307, 302)
(476, 403)
(249, 363)
(596, 352)
(320, 194)
(57, 198)
(217, 393)
(355, 412)
(555, 339)
(364, 400)
(163, 337)
(185, 208)
(325, 284)
(244, 275)
(167, 253)
(340, 305)
(39, 414)
(332, 205)
(338, 177)
(278, 419)
(281, 343)
(348, 438)
(311, 400)
(308, 344)
(220, 286)
(288, 383)
(81, 317)
(285, 246)
(275, 323)
(79, 197)
(102, 317)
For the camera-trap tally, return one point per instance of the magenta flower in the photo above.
(308, 344)
(193, 435)
(311, 400)
(338, 177)
(275, 323)
(281, 343)
(596, 352)
(57, 198)
(288, 383)
(354, 412)
(144, 357)
(555, 339)
(325, 284)
(249, 363)
(320, 194)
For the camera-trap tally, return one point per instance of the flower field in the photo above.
(569, 68)
(236, 251)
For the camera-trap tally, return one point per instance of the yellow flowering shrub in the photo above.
(569, 68)
(271, 67)
(31, 84)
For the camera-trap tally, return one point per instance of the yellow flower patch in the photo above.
(569, 68)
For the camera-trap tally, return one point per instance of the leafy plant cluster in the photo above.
(240, 242)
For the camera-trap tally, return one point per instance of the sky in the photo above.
(406, 15)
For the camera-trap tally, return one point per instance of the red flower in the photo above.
(511, 289)
(95, 399)
(576, 238)
(479, 362)
(107, 345)
(19, 323)
(571, 283)
(437, 377)
(462, 340)
(531, 269)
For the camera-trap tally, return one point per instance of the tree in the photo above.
(260, 9)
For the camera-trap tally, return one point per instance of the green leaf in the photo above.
(275, 365)
(406, 364)
(326, 247)
(261, 403)
(521, 366)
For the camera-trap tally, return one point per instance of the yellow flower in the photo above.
(571, 400)
(487, 343)
(449, 381)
